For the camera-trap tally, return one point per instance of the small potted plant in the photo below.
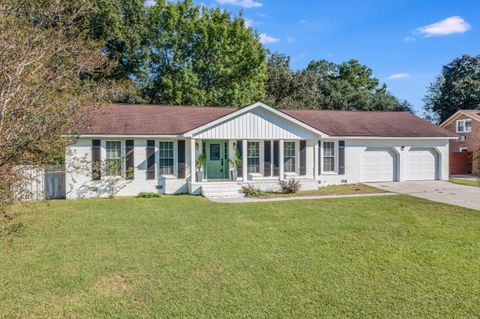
(200, 163)
(237, 162)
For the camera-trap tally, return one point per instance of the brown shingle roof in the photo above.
(141, 119)
(138, 119)
(380, 124)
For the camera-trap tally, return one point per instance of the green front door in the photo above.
(217, 159)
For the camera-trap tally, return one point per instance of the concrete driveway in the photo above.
(438, 191)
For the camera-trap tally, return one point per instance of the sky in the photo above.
(405, 42)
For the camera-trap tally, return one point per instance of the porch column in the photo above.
(193, 157)
(281, 163)
(316, 155)
(244, 160)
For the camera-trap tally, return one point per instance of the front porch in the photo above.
(222, 160)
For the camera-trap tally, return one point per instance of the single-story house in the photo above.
(465, 124)
(156, 148)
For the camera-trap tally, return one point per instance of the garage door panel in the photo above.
(378, 165)
(421, 164)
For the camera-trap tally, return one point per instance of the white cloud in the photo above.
(149, 2)
(448, 26)
(267, 39)
(398, 76)
(242, 3)
(249, 23)
(409, 39)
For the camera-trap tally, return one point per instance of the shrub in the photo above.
(252, 191)
(290, 186)
(147, 195)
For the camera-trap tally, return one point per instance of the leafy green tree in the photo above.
(202, 56)
(326, 85)
(457, 88)
(358, 75)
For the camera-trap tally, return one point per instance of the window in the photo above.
(214, 152)
(253, 157)
(113, 163)
(328, 156)
(462, 138)
(166, 158)
(463, 149)
(464, 126)
(289, 157)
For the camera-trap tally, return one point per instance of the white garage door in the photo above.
(378, 165)
(421, 164)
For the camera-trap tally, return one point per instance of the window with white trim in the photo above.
(165, 154)
(462, 138)
(328, 156)
(289, 157)
(464, 126)
(463, 149)
(113, 162)
(253, 157)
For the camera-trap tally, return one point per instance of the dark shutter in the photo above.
(181, 159)
(267, 155)
(341, 157)
(96, 160)
(303, 157)
(240, 152)
(276, 158)
(129, 160)
(150, 159)
(319, 154)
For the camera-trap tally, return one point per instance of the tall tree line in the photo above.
(180, 53)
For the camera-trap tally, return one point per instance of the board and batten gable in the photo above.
(257, 124)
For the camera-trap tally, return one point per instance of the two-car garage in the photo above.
(382, 164)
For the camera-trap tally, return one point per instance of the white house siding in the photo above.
(79, 183)
(355, 148)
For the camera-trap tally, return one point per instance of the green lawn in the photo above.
(187, 257)
(347, 189)
(464, 182)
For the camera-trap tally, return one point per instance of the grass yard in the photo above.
(190, 258)
(347, 189)
(464, 182)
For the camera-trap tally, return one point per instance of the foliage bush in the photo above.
(290, 186)
(147, 195)
(252, 191)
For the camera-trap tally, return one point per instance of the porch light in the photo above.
(196, 146)
(402, 148)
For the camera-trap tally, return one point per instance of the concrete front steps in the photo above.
(233, 190)
(219, 190)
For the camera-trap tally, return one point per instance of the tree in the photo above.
(358, 75)
(120, 25)
(202, 56)
(457, 88)
(48, 71)
(326, 85)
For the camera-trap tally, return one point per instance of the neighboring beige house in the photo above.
(466, 125)
(161, 145)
